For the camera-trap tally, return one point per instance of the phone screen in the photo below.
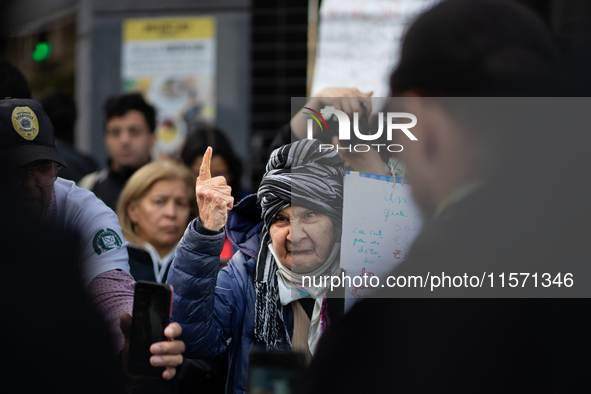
(151, 315)
(274, 372)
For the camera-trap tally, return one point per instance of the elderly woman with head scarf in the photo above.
(289, 229)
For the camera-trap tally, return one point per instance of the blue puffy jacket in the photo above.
(216, 308)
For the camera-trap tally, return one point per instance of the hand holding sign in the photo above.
(214, 196)
(347, 100)
(364, 161)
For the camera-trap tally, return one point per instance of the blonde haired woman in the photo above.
(154, 208)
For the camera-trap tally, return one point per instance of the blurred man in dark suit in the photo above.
(481, 173)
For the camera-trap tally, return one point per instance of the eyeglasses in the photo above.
(44, 175)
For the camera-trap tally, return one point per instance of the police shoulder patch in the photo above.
(105, 240)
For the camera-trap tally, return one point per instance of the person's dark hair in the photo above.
(471, 48)
(200, 137)
(119, 105)
(479, 49)
(61, 109)
(12, 82)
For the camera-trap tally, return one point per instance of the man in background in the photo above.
(61, 109)
(12, 82)
(129, 137)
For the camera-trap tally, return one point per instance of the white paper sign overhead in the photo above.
(359, 42)
(380, 223)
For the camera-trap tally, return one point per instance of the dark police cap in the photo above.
(477, 48)
(26, 134)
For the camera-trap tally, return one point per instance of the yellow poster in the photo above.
(172, 62)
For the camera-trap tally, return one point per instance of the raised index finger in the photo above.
(204, 170)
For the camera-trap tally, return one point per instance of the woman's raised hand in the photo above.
(214, 196)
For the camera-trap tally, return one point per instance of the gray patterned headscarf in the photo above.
(298, 174)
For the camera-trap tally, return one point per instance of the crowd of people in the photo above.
(497, 170)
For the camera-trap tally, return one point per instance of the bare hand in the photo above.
(166, 354)
(369, 161)
(214, 196)
(345, 99)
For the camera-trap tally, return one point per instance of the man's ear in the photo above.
(428, 142)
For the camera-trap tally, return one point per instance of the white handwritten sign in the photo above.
(380, 222)
(356, 36)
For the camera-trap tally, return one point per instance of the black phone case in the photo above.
(152, 307)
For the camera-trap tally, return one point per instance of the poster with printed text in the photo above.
(172, 63)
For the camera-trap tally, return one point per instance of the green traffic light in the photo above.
(42, 51)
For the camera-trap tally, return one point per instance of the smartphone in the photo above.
(274, 372)
(152, 308)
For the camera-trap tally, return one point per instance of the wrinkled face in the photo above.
(129, 140)
(29, 196)
(161, 215)
(302, 238)
(218, 167)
